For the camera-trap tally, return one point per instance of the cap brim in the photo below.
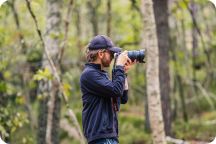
(115, 49)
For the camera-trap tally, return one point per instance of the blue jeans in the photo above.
(105, 141)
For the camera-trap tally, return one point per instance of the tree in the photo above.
(161, 18)
(49, 109)
(93, 15)
(109, 17)
(153, 86)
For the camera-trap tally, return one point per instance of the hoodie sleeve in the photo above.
(99, 84)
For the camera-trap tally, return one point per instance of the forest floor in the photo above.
(199, 129)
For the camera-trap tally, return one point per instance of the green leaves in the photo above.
(3, 131)
(2, 86)
(43, 75)
(11, 120)
(66, 89)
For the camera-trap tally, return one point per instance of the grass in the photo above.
(132, 128)
(198, 128)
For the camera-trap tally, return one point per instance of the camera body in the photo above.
(137, 55)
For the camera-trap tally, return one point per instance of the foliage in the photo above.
(11, 119)
(132, 129)
(198, 128)
(43, 75)
(20, 72)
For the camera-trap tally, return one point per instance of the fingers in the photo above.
(135, 61)
(128, 65)
(124, 52)
(129, 61)
(122, 58)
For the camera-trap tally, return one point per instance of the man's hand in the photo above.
(122, 59)
(129, 64)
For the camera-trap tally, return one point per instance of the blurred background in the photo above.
(186, 33)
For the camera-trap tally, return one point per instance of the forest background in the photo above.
(33, 108)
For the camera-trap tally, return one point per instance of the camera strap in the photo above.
(115, 103)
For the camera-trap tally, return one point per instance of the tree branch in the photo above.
(17, 22)
(25, 70)
(199, 32)
(72, 132)
(54, 72)
(67, 22)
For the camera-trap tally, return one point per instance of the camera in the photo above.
(138, 55)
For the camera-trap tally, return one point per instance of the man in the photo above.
(101, 96)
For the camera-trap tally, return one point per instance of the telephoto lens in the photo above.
(138, 55)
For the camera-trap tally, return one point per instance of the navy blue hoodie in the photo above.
(99, 117)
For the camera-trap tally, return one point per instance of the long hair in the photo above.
(91, 55)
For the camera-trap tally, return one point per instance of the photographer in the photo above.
(101, 96)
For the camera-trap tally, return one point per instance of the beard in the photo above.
(105, 62)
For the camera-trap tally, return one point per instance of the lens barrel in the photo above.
(138, 55)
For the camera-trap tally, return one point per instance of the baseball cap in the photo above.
(103, 42)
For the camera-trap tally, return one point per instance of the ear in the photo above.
(100, 55)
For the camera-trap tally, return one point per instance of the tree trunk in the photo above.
(153, 87)
(79, 31)
(174, 87)
(161, 18)
(147, 121)
(109, 17)
(93, 6)
(182, 97)
(177, 78)
(49, 108)
(194, 42)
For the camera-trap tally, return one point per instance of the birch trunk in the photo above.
(153, 86)
(49, 109)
